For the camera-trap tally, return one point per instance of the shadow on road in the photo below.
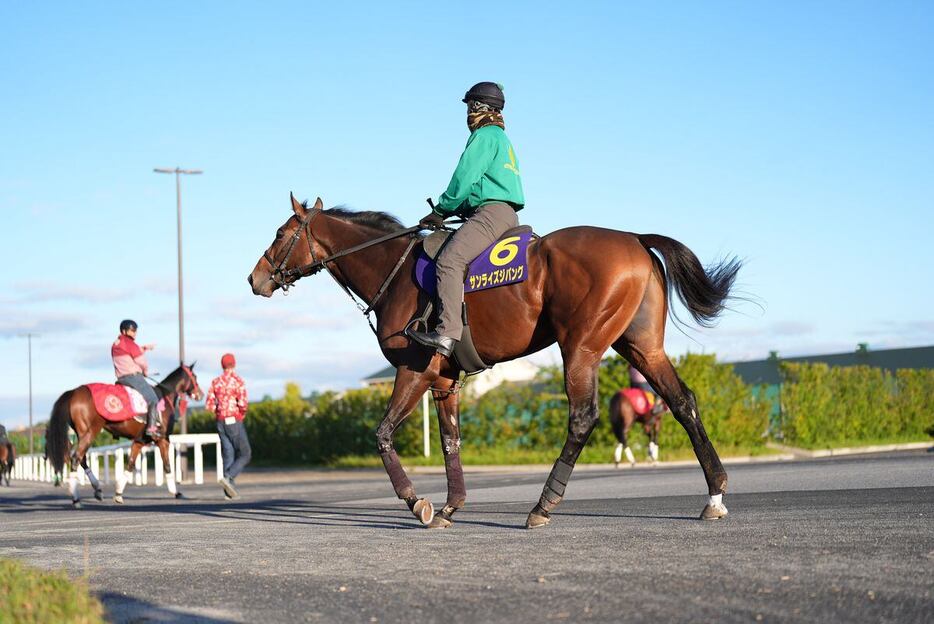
(123, 609)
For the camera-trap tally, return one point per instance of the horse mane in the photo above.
(382, 221)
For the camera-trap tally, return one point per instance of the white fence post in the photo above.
(199, 464)
(36, 467)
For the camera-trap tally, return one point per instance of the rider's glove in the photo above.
(431, 221)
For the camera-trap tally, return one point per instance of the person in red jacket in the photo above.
(227, 400)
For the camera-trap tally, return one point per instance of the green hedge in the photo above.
(526, 417)
(317, 430)
(827, 406)
(535, 417)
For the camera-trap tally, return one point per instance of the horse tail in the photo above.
(11, 454)
(616, 415)
(702, 291)
(56, 434)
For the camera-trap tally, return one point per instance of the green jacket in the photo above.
(487, 171)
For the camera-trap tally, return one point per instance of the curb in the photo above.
(530, 468)
(855, 450)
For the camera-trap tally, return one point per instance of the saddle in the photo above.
(641, 401)
(118, 403)
(502, 263)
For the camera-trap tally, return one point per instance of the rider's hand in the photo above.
(149, 347)
(431, 221)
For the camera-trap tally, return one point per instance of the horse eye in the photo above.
(279, 234)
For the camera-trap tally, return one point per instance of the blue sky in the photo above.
(796, 135)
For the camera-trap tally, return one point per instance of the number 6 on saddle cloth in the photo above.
(502, 263)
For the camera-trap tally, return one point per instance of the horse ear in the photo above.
(297, 207)
(318, 204)
(192, 366)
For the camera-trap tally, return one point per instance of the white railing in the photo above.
(36, 468)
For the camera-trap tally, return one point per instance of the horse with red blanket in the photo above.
(632, 405)
(92, 407)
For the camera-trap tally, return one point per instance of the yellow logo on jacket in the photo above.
(511, 165)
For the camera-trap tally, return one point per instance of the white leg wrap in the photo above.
(716, 500)
(630, 456)
(653, 451)
(73, 486)
(122, 480)
(170, 483)
(618, 453)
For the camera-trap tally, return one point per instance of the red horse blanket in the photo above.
(639, 399)
(117, 403)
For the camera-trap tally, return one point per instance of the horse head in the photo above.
(279, 266)
(183, 381)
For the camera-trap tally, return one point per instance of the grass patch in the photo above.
(36, 596)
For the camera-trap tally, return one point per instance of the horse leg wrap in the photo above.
(123, 480)
(73, 485)
(94, 482)
(400, 482)
(457, 491)
(629, 456)
(557, 481)
(170, 483)
(618, 453)
(653, 451)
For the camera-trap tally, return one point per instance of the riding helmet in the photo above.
(228, 361)
(488, 93)
(128, 324)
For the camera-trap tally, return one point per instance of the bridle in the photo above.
(280, 274)
(191, 380)
(285, 278)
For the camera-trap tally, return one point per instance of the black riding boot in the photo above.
(152, 423)
(442, 344)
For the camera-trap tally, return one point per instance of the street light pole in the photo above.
(181, 297)
(29, 337)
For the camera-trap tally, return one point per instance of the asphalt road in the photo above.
(832, 540)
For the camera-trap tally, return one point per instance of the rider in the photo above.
(486, 190)
(130, 368)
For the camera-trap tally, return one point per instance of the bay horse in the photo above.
(589, 289)
(623, 414)
(76, 408)
(7, 460)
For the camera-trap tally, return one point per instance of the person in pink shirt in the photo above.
(227, 400)
(131, 368)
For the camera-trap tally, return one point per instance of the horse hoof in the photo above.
(76, 504)
(118, 500)
(536, 521)
(98, 495)
(714, 512)
(439, 522)
(179, 495)
(423, 510)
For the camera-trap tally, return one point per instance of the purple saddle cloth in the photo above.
(503, 262)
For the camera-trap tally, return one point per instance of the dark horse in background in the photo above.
(75, 408)
(628, 408)
(589, 289)
(7, 460)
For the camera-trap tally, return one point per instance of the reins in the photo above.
(285, 278)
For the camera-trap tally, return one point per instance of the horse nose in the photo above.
(249, 279)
